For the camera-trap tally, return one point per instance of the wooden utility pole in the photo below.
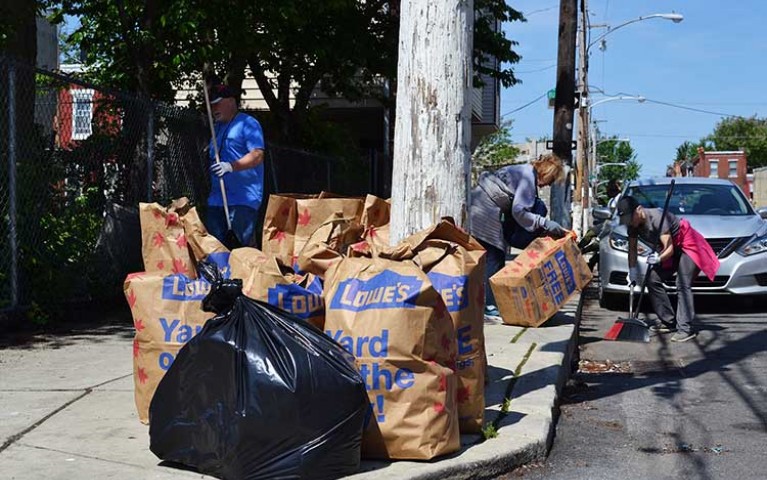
(432, 134)
(564, 105)
(582, 183)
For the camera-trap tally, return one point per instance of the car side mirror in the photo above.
(601, 213)
(762, 212)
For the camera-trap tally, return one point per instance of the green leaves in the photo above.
(733, 133)
(614, 150)
(740, 133)
(495, 150)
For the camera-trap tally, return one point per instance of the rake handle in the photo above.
(218, 158)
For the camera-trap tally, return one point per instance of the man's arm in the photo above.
(667, 247)
(632, 252)
(250, 160)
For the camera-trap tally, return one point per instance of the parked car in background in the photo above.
(716, 208)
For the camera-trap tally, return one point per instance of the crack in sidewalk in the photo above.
(86, 391)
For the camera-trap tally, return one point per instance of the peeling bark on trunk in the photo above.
(433, 119)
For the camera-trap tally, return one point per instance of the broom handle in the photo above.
(657, 245)
(215, 152)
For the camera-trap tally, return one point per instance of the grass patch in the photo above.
(506, 405)
(524, 360)
(489, 431)
(516, 337)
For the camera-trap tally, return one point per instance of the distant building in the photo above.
(730, 165)
(529, 151)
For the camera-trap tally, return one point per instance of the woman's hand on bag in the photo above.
(553, 229)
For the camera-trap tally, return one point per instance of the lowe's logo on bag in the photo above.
(452, 289)
(184, 289)
(295, 299)
(567, 271)
(386, 290)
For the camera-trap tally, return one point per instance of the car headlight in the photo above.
(621, 242)
(754, 246)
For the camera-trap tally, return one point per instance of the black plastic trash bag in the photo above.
(259, 393)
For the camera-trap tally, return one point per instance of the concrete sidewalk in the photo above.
(67, 411)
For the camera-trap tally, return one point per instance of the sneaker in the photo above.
(683, 336)
(661, 327)
(492, 312)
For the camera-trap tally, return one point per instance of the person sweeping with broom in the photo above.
(682, 249)
(239, 141)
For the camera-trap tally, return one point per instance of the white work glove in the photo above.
(553, 229)
(221, 168)
(653, 259)
(633, 275)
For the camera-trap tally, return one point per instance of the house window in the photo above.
(82, 114)
(733, 167)
(714, 168)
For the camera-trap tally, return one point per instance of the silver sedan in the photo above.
(717, 209)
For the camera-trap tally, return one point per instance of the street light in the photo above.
(592, 134)
(674, 17)
(582, 191)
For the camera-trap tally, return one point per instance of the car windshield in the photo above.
(693, 199)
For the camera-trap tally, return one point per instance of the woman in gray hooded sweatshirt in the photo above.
(524, 221)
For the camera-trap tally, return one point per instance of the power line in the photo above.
(540, 11)
(667, 135)
(525, 105)
(537, 69)
(699, 110)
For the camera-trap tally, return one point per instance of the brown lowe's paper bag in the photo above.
(314, 212)
(266, 278)
(200, 241)
(328, 244)
(455, 265)
(280, 227)
(376, 215)
(532, 288)
(163, 241)
(166, 313)
(290, 220)
(388, 315)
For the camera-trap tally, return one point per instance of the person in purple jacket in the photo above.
(241, 150)
(524, 220)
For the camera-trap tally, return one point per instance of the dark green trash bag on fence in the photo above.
(259, 393)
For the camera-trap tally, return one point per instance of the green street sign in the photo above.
(551, 94)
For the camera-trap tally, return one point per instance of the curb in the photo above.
(526, 432)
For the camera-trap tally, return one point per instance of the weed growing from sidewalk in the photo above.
(489, 431)
(506, 405)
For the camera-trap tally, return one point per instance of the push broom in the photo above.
(632, 329)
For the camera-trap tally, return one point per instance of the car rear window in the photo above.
(693, 199)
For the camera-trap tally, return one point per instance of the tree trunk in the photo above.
(433, 117)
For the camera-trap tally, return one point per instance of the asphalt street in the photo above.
(660, 410)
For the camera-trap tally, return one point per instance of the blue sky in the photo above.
(714, 60)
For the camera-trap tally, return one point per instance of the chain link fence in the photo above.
(291, 170)
(75, 161)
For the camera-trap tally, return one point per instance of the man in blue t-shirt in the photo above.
(241, 150)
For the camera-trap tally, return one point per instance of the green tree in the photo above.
(290, 47)
(615, 151)
(741, 133)
(494, 150)
(688, 151)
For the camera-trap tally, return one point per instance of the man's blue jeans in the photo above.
(244, 220)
